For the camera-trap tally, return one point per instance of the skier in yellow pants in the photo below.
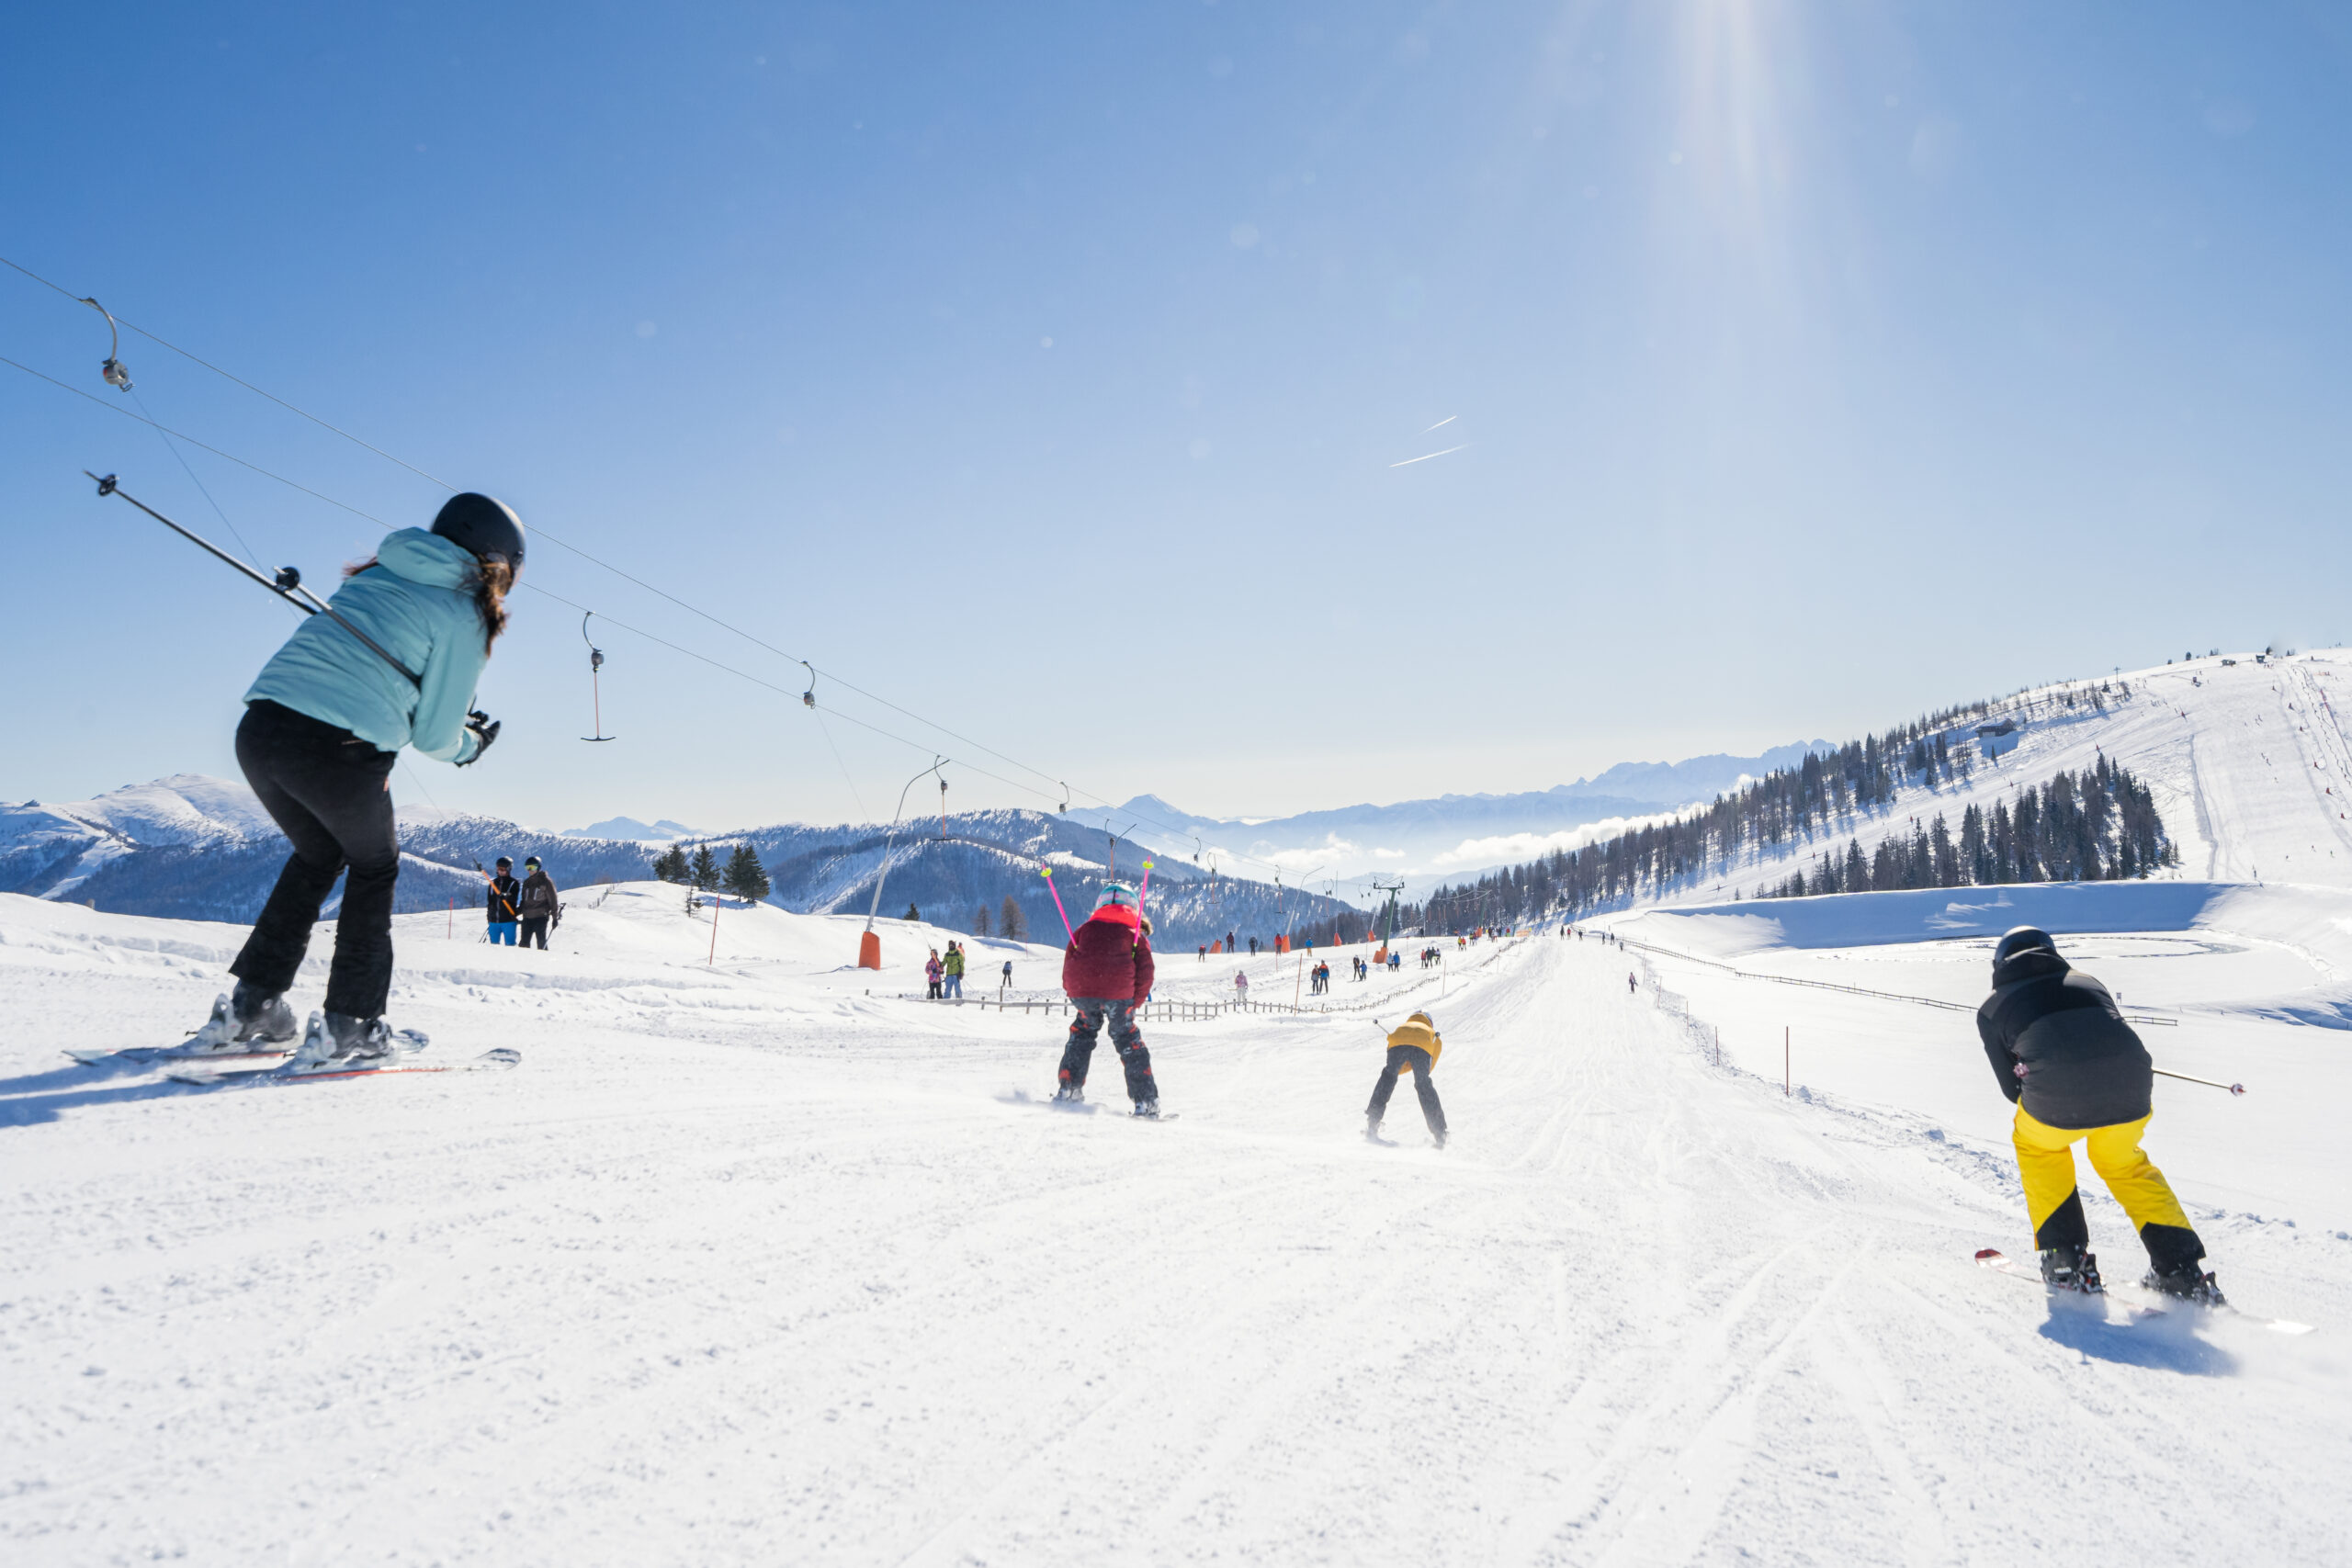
(2078, 1074)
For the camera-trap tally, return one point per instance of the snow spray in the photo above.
(1056, 892)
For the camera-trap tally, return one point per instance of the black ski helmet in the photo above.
(489, 528)
(2023, 938)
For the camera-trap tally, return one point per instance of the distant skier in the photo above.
(324, 721)
(1629, 982)
(1008, 974)
(503, 903)
(931, 971)
(1107, 970)
(2077, 1073)
(1413, 1045)
(950, 972)
(539, 903)
(1241, 984)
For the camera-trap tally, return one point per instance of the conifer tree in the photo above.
(745, 877)
(1010, 921)
(980, 920)
(704, 873)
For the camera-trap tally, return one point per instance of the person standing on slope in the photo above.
(1107, 970)
(930, 974)
(2078, 1074)
(503, 903)
(324, 721)
(537, 905)
(1413, 1045)
(952, 972)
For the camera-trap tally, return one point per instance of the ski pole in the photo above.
(2210, 1083)
(1145, 891)
(1058, 902)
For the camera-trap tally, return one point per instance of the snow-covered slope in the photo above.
(746, 1265)
(2248, 764)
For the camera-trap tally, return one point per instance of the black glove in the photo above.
(484, 729)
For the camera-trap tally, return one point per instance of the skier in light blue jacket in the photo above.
(392, 663)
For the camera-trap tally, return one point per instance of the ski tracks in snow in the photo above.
(745, 1304)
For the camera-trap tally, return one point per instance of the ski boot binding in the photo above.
(2071, 1269)
(1070, 1094)
(338, 1043)
(2188, 1283)
(1147, 1109)
(239, 1022)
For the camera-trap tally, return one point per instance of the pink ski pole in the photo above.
(1145, 891)
(1058, 902)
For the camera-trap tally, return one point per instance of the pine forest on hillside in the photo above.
(2098, 824)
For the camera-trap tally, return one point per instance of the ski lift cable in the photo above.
(181, 459)
(584, 555)
(225, 374)
(539, 532)
(256, 467)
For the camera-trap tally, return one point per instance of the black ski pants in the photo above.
(1401, 1057)
(330, 793)
(1089, 1015)
(534, 928)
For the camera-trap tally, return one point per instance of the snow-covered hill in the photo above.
(2247, 758)
(749, 1262)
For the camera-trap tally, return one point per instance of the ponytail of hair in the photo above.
(493, 581)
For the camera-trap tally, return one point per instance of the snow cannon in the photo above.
(869, 951)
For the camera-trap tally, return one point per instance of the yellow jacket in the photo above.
(1418, 1030)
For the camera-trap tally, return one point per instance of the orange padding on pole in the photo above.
(869, 951)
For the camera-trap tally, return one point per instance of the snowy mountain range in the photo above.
(191, 847)
(1427, 841)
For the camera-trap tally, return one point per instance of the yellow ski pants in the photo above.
(2046, 1162)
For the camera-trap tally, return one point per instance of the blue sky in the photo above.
(1042, 369)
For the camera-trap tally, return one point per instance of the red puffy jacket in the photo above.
(1109, 957)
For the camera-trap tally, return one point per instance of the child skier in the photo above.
(324, 721)
(1107, 970)
(1414, 1045)
(2078, 1074)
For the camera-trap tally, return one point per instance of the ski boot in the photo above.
(1372, 1129)
(338, 1043)
(241, 1021)
(1147, 1109)
(1440, 1136)
(2188, 1283)
(2071, 1268)
(1070, 1094)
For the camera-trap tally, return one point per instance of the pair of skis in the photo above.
(2001, 1263)
(274, 1064)
(1076, 1107)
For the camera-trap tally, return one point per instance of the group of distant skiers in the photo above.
(522, 910)
(393, 661)
(944, 977)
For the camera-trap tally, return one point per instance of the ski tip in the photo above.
(1986, 1254)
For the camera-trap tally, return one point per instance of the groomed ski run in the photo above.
(743, 1265)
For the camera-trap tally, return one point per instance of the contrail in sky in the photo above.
(1441, 424)
(1427, 456)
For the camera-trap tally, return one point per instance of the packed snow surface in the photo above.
(744, 1264)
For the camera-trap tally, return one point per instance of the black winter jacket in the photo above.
(2055, 1038)
(503, 900)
